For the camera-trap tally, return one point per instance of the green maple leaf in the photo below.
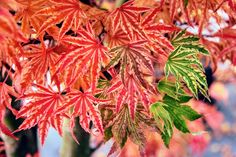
(170, 88)
(171, 112)
(185, 65)
(163, 120)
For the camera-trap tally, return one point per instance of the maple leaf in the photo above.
(10, 52)
(153, 33)
(116, 38)
(171, 112)
(41, 109)
(126, 17)
(10, 38)
(85, 106)
(162, 116)
(136, 56)
(169, 88)
(25, 14)
(190, 70)
(148, 31)
(184, 64)
(130, 92)
(195, 12)
(8, 28)
(40, 59)
(68, 11)
(121, 126)
(225, 48)
(88, 56)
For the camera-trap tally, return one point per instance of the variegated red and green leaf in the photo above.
(137, 57)
(130, 92)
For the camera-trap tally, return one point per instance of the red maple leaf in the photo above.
(116, 38)
(39, 60)
(87, 57)
(153, 33)
(25, 14)
(126, 17)
(41, 110)
(68, 11)
(85, 106)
